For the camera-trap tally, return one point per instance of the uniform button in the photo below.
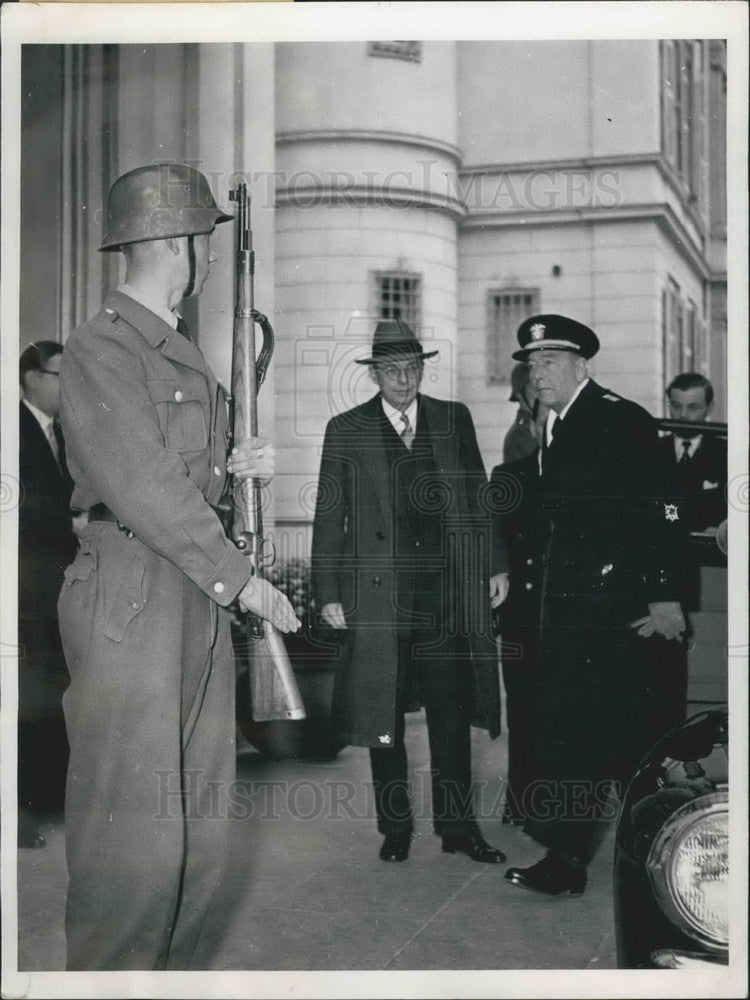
(529, 586)
(416, 545)
(178, 395)
(135, 605)
(219, 588)
(376, 581)
(217, 470)
(529, 562)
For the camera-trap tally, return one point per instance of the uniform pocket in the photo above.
(82, 567)
(182, 414)
(129, 601)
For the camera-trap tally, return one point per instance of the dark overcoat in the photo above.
(354, 560)
(613, 540)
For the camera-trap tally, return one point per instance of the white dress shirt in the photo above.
(394, 415)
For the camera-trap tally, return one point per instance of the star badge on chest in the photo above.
(670, 512)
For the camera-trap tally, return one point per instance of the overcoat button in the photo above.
(178, 395)
(380, 535)
(219, 587)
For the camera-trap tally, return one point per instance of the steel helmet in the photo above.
(158, 201)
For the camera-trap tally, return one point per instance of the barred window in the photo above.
(398, 295)
(507, 308)
(410, 51)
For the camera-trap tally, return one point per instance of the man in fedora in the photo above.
(401, 562)
(143, 610)
(607, 561)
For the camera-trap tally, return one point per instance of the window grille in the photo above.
(398, 295)
(507, 309)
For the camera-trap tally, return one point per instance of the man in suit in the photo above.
(46, 544)
(400, 560)
(611, 541)
(700, 460)
(144, 608)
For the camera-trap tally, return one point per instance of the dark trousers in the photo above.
(520, 657)
(444, 689)
(592, 729)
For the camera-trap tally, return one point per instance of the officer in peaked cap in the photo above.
(143, 610)
(607, 562)
(558, 333)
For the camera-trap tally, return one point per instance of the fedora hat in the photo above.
(394, 339)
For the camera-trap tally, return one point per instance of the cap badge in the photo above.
(537, 331)
(670, 512)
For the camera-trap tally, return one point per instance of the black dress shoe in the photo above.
(551, 875)
(474, 845)
(395, 847)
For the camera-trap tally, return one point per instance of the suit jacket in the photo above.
(46, 543)
(354, 559)
(703, 480)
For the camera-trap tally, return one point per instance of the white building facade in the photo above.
(459, 185)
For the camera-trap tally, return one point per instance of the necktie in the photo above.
(407, 434)
(52, 438)
(685, 456)
(182, 328)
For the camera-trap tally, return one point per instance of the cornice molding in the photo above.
(660, 212)
(362, 196)
(294, 136)
(656, 160)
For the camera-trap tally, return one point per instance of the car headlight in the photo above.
(689, 870)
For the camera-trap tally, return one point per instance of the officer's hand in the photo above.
(254, 457)
(263, 599)
(665, 619)
(498, 589)
(333, 615)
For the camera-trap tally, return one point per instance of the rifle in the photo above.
(273, 688)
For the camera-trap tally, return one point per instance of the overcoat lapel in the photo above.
(375, 462)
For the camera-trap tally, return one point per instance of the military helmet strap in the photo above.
(191, 261)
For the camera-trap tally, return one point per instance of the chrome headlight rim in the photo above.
(662, 857)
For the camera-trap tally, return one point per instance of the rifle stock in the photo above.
(273, 688)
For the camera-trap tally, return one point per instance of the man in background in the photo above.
(524, 433)
(700, 460)
(46, 544)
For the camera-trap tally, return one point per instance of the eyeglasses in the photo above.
(394, 372)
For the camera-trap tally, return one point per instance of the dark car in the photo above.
(671, 857)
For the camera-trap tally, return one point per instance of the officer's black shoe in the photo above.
(551, 875)
(395, 847)
(473, 844)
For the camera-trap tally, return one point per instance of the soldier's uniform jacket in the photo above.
(135, 394)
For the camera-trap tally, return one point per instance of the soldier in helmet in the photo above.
(143, 609)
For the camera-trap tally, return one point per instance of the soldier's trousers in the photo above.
(149, 714)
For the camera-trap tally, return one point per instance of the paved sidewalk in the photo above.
(304, 888)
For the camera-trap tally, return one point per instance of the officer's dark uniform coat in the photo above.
(613, 540)
(354, 561)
